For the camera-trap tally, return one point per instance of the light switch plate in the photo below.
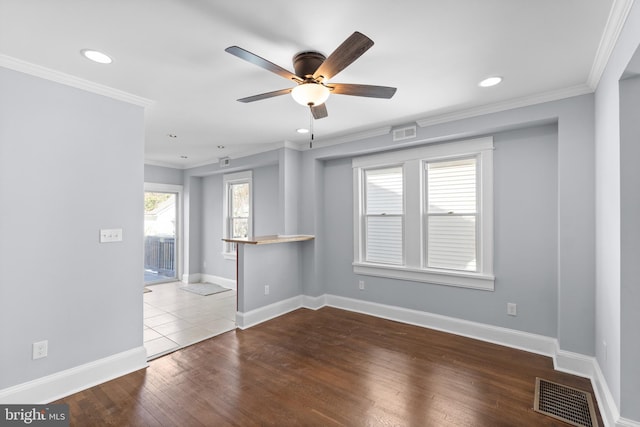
(109, 235)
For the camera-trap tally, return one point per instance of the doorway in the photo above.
(161, 233)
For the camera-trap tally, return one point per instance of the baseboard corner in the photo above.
(64, 383)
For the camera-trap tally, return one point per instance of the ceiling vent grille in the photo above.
(224, 162)
(404, 133)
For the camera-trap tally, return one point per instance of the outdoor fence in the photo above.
(159, 254)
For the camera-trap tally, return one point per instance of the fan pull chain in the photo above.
(310, 127)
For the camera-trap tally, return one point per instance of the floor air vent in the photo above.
(564, 403)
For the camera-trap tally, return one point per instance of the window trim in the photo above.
(366, 215)
(414, 161)
(228, 250)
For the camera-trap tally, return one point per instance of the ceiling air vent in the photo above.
(404, 133)
(224, 162)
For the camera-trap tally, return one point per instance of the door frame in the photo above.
(178, 190)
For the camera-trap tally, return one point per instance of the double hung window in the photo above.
(426, 214)
(237, 209)
(384, 207)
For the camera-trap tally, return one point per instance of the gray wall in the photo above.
(617, 321)
(630, 246)
(275, 265)
(571, 302)
(71, 163)
(162, 175)
(525, 203)
(265, 211)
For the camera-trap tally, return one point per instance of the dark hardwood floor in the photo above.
(328, 368)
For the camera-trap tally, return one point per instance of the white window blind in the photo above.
(425, 214)
(384, 211)
(452, 214)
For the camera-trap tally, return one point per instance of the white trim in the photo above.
(460, 279)
(73, 81)
(314, 303)
(342, 139)
(615, 22)
(412, 161)
(191, 278)
(64, 383)
(227, 180)
(251, 318)
(497, 335)
(222, 281)
(432, 151)
(512, 104)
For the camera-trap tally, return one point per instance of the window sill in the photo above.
(439, 277)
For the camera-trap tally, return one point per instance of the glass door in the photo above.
(160, 237)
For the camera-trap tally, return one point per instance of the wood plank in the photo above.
(328, 367)
(275, 238)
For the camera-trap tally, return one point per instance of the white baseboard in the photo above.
(508, 337)
(314, 303)
(222, 281)
(191, 278)
(56, 386)
(271, 311)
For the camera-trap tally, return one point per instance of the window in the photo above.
(451, 214)
(237, 209)
(426, 214)
(383, 215)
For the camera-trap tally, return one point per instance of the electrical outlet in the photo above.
(361, 285)
(40, 349)
(512, 309)
(266, 289)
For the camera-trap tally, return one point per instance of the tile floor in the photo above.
(174, 318)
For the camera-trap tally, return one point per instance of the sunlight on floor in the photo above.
(174, 318)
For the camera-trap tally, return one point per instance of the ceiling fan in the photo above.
(312, 72)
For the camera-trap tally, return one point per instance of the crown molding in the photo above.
(505, 105)
(615, 22)
(356, 136)
(73, 81)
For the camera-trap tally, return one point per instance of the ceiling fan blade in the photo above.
(265, 95)
(319, 111)
(261, 62)
(350, 50)
(362, 90)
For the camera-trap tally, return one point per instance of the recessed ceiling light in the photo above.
(302, 130)
(491, 81)
(96, 56)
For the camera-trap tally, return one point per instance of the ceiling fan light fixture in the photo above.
(310, 94)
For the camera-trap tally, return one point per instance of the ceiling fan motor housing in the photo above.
(306, 63)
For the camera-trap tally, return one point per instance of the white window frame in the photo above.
(414, 267)
(228, 249)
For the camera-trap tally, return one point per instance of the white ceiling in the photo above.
(435, 52)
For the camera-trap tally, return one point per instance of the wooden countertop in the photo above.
(276, 238)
